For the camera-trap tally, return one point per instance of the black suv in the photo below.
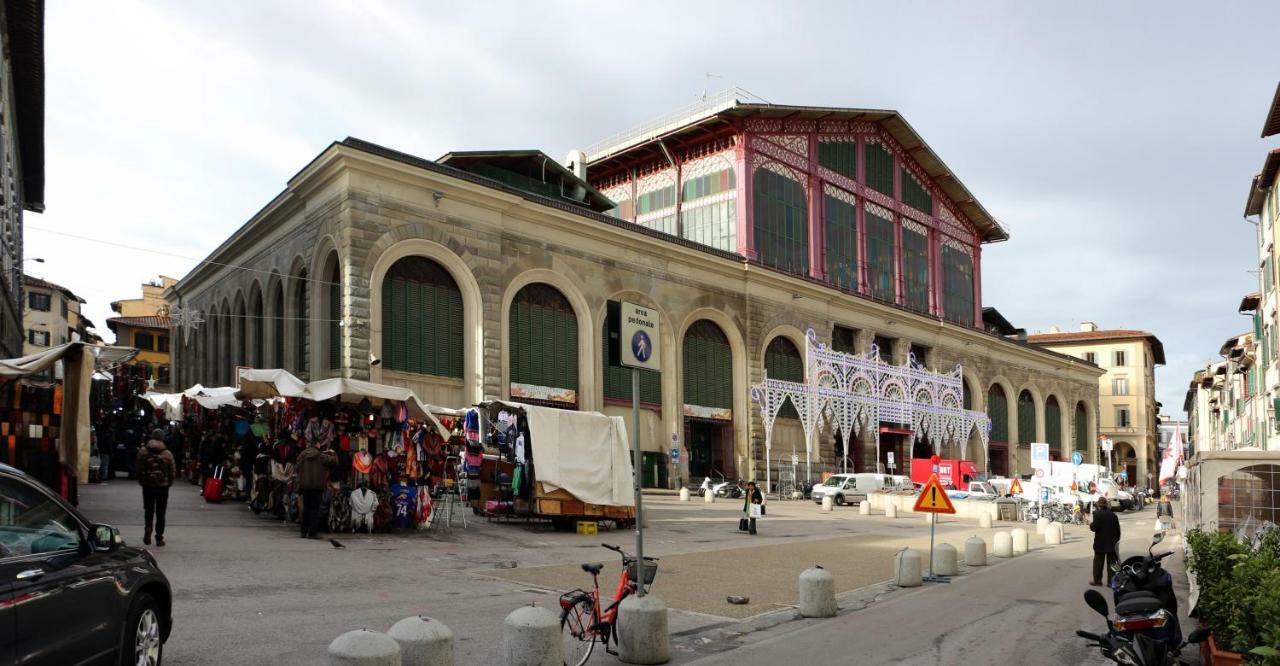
(72, 592)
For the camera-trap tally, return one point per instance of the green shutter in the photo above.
(842, 242)
(781, 222)
(915, 269)
(1082, 423)
(335, 317)
(782, 361)
(708, 372)
(914, 194)
(957, 278)
(880, 256)
(839, 156)
(1026, 419)
(879, 167)
(617, 381)
(1053, 425)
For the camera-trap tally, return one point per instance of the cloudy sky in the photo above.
(1115, 140)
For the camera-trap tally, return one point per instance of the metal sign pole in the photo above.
(635, 428)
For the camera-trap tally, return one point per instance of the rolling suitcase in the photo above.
(213, 486)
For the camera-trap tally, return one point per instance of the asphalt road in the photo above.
(248, 590)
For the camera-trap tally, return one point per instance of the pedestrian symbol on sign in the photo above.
(641, 346)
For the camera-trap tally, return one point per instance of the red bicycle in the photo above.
(583, 619)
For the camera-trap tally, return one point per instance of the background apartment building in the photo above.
(1127, 407)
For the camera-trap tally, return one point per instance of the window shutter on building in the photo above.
(1026, 419)
(879, 167)
(1053, 425)
(782, 361)
(781, 222)
(957, 278)
(915, 269)
(880, 254)
(544, 339)
(998, 412)
(842, 242)
(1082, 425)
(335, 318)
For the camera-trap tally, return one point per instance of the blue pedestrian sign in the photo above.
(675, 454)
(641, 346)
(1044, 494)
(1077, 458)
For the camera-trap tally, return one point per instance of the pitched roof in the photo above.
(32, 281)
(529, 170)
(1157, 347)
(1271, 125)
(1262, 182)
(158, 322)
(725, 108)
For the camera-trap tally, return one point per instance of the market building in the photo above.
(486, 274)
(143, 323)
(21, 153)
(52, 316)
(1127, 391)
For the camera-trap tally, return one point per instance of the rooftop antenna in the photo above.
(706, 78)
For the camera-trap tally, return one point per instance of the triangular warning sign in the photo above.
(933, 498)
(1015, 488)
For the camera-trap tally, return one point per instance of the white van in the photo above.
(848, 488)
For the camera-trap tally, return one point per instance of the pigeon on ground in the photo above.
(336, 543)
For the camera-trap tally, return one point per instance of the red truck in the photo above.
(951, 473)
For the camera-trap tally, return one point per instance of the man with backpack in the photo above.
(313, 473)
(156, 471)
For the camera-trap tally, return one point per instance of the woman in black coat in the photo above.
(753, 496)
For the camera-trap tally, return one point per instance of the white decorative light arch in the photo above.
(849, 390)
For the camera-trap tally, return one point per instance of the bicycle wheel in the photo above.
(576, 631)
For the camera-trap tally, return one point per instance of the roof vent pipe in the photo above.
(576, 161)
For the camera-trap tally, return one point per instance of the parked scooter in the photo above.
(1133, 649)
(721, 489)
(1144, 598)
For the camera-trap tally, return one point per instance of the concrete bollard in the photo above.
(817, 593)
(826, 503)
(864, 507)
(984, 521)
(423, 641)
(1041, 523)
(975, 552)
(890, 510)
(1020, 542)
(531, 637)
(944, 560)
(708, 496)
(1003, 545)
(684, 494)
(1053, 534)
(642, 631)
(365, 648)
(906, 569)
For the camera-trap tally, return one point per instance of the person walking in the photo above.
(313, 472)
(752, 496)
(155, 471)
(1106, 541)
(1164, 512)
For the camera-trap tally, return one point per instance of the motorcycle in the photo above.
(721, 489)
(1144, 598)
(1133, 649)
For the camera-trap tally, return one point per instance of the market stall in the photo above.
(46, 426)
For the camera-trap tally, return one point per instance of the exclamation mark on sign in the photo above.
(933, 493)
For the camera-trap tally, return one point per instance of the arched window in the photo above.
(277, 327)
(224, 361)
(544, 346)
(335, 316)
(240, 324)
(1026, 418)
(421, 319)
(256, 325)
(783, 361)
(998, 412)
(781, 222)
(708, 366)
(1082, 429)
(1053, 424)
(302, 323)
(617, 381)
(144, 340)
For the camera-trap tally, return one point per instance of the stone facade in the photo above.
(365, 207)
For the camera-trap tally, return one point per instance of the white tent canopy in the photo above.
(586, 453)
(271, 383)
